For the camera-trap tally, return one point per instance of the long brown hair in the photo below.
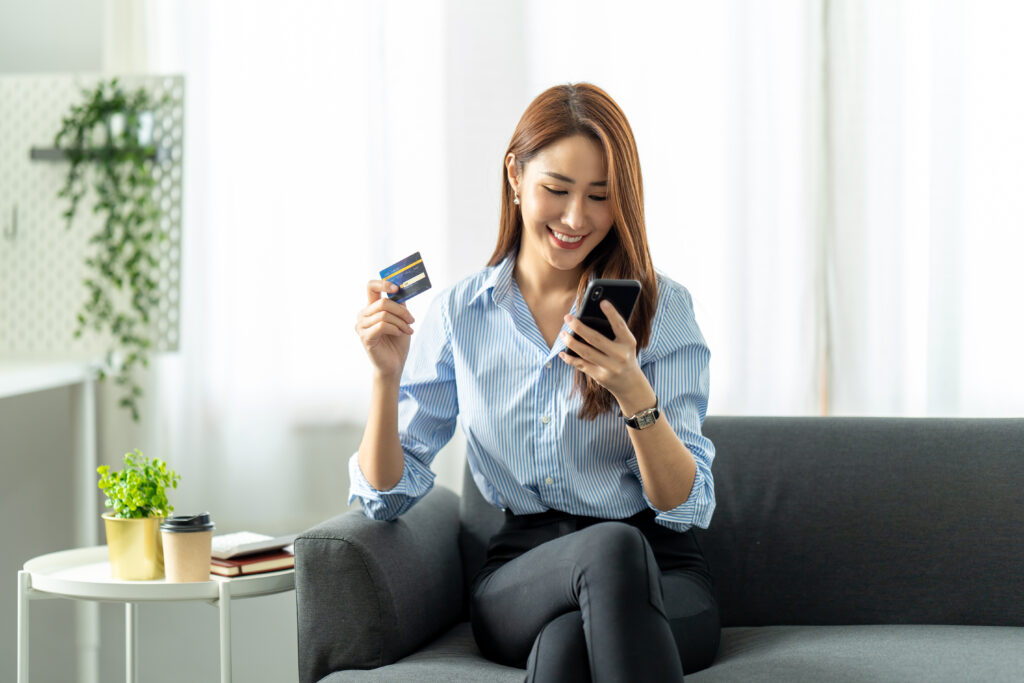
(576, 109)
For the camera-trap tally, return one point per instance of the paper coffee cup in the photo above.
(187, 540)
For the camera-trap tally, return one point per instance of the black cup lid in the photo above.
(200, 522)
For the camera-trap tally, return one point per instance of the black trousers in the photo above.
(574, 598)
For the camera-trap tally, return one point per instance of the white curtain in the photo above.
(720, 97)
(927, 219)
(316, 154)
(835, 182)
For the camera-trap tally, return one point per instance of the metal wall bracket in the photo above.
(160, 155)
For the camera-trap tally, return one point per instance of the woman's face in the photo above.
(563, 196)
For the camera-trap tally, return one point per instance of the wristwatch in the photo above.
(645, 418)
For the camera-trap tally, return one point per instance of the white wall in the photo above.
(51, 35)
(36, 504)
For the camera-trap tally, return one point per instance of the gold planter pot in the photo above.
(136, 550)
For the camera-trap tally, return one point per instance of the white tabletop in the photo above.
(85, 573)
(27, 373)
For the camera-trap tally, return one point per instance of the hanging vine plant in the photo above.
(105, 139)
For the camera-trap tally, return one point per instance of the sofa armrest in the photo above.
(369, 592)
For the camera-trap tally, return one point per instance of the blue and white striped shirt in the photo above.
(479, 353)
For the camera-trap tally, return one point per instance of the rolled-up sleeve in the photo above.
(679, 376)
(427, 412)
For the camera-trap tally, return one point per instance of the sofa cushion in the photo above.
(867, 653)
(867, 520)
(452, 658)
(769, 653)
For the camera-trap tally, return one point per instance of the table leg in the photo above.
(83, 409)
(87, 614)
(131, 632)
(87, 623)
(23, 588)
(225, 631)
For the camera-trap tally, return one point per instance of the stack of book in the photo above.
(248, 553)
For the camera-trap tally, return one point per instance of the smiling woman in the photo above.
(599, 509)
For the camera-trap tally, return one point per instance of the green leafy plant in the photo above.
(101, 139)
(140, 489)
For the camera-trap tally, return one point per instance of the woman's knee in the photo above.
(618, 553)
(614, 543)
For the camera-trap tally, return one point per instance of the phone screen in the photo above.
(621, 293)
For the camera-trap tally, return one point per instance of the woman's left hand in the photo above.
(611, 363)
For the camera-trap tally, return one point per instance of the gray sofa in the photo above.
(844, 549)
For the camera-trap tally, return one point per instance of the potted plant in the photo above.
(137, 498)
(107, 140)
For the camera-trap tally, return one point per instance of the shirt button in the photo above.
(545, 419)
(548, 365)
(549, 481)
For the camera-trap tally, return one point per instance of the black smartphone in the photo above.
(623, 295)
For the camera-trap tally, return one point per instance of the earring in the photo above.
(516, 199)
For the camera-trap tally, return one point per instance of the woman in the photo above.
(596, 574)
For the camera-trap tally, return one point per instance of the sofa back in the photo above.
(823, 520)
(867, 520)
(479, 521)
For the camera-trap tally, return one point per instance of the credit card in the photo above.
(410, 275)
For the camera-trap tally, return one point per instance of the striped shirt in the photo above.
(479, 354)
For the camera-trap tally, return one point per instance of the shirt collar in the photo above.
(498, 280)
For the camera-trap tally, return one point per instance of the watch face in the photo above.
(645, 419)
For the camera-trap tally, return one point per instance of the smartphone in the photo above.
(623, 295)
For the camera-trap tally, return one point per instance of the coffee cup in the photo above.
(187, 540)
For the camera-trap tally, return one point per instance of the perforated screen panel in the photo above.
(41, 262)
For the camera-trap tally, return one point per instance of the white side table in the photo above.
(84, 574)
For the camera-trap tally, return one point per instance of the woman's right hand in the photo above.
(383, 327)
